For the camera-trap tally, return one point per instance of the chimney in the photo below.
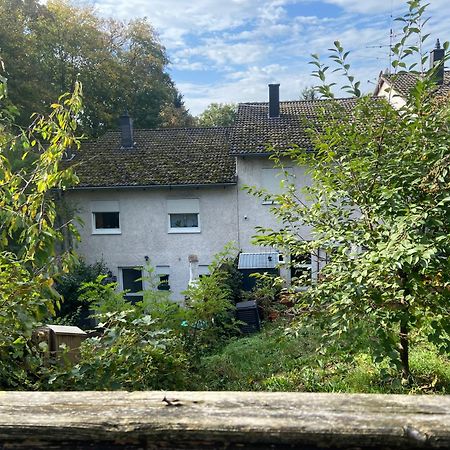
(274, 100)
(126, 130)
(436, 59)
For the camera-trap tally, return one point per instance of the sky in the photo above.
(228, 51)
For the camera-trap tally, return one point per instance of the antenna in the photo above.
(391, 35)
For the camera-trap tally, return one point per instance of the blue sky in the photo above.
(229, 50)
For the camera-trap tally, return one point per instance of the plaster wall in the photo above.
(252, 211)
(144, 230)
(391, 96)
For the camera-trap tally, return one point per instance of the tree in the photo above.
(378, 208)
(218, 115)
(309, 93)
(47, 47)
(28, 232)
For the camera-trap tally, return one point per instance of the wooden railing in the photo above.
(231, 420)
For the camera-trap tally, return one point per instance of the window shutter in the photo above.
(183, 206)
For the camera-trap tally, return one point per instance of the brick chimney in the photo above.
(436, 59)
(274, 100)
(126, 131)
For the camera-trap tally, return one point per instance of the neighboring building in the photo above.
(397, 87)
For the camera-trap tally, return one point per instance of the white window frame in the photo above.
(105, 207)
(183, 206)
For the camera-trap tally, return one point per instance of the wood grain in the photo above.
(231, 420)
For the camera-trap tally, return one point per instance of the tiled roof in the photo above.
(402, 83)
(253, 131)
(161, 157)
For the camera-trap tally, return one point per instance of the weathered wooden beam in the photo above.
(231, 420)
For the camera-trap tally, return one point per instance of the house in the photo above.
(396, 87)
(165, 197)
(174, 197)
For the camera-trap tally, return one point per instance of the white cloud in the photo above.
(367, 6)
(196, 17)
(242, 45)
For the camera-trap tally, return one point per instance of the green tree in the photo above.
(28, 232)
(377, 208)
(47, 47)
(218, 115)
(309, 93)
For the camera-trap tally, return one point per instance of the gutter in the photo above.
(145, 187)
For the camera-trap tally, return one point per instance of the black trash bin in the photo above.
(247, 312)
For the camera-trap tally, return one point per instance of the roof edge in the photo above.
(150, 186)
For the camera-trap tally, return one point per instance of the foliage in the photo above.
(274, 361)
(209, 306)
(150, 344)
(130, 352)
(73, 311)
(218, 115)
(309, 93)
(28, 235)
(266, 293)
(48, 46)
(371, 210)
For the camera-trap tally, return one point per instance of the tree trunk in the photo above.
(404, 349)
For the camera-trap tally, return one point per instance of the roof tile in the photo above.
(255, 133)
(161, 157)
(402, 83)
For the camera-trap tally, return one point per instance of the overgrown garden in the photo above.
(375, 320)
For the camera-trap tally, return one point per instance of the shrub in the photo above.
(73, 310)
(129, 352)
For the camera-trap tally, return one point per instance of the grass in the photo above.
(274, 361)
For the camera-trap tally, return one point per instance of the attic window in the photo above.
(105, 218)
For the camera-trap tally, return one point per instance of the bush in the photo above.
(131, 353)
(210, 304)
(74, 310)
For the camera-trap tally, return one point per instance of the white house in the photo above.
(396, 87)
(166, 197)
(175, 197)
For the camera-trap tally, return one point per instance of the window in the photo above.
(184, 215)
(131, 280)
(105, 218)
(162, 274)
(301, 268)
(163, 283)
(184, 220)
(272, 181)
(203, 271)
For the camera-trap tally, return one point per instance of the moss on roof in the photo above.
(160, 157)
(255, 133)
